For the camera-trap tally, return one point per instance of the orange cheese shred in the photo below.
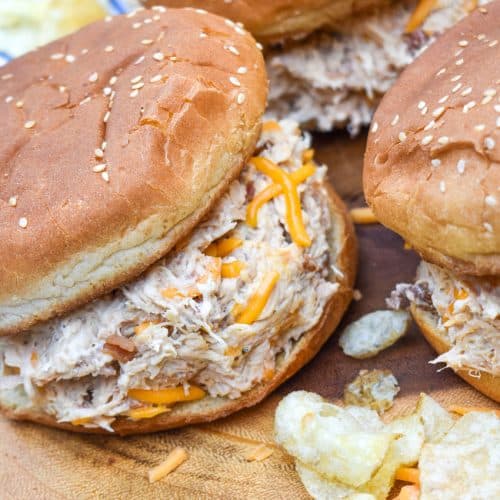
(223, 247)
(143, 326)
(81, 421)
(270, 192)
(308, 155)
(292, 200)
(146, 412)
(463, 410)
(232, 269)
(258, 300)
(363, 215)
(420, 14)
(408, 474)
(460, 294)
(172, 292)
(168, 396)
(409, 492)
(271, 126)
(175, 458)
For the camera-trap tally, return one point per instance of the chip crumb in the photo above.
(258, 453)
(175, 458)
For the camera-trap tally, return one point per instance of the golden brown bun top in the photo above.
(432, 163)
(176, 96)
(273, 20)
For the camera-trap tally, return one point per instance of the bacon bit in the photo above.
(175, 458)
(410, 492)
(271, 126)
(408, 474)
(420, 14)
(258, 453)
(120, 348)
(363, 215)
(463, 410)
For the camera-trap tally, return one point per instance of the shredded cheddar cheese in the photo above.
(471, 5)
(292, 200)
(175, 458)
(462, 410)
(146, 412)
(363, 215)
(298, 176)
(171, 293)
(308, 155)
(271, 126)
(232, 351)
(143, 326)
(34, 358)
(460, 294)
(168, 396)
(81, 421)
(410, 492)
(420, 14)
(407, 246)
(258, 300)
(408, 474)
(223, 247)
(258, 453)
(232, 269)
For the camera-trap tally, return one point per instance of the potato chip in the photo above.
(373, 333)
(329, 439)
(465, 463)
(321, 488)
(437, 421)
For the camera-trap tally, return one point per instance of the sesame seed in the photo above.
(424, 111)
(259, 46)
(374, 127)
(62, 89)
(30, 124)
(113, 80)
(442, 186)
(438, 112)
(99, 153)
(490, 92)
(57, 56)
(85, 101)
(430, 125)
(109, 48)
(234, 81)
(233, 50)
(459, 62)
(158, 56)
(229, 23)
(136, 25)
(155, 79)
(93, 77)
(457, 87)
(421, 105)
(402, 136)
(19, 104)
(436, 162)
(106, 117)
(8, 99)
(441, 71)
(148, 20)
(461, 166)
(103, 145)
(140, 59)
(463, 43)
(480, 127)
(496, 107)
(395, 120)
(134, 93)
(466, 91)
(481, 36)
(99, 168)
(488, 227)
(242, 70)
(427, 139)
(241, 98)
(443, 99)
(156, 17)
(493, 43)
(159, 8)
(490, 200)
(136, 79)
(444, 140)
(468, 106)
(84, 52)
(455, 78)
(147, 41)
(489, 143)
(106, 91)
(203, 35)
(138, 86)
(70, 58)
(13, 201)
(23, 222)
(497, 123)
(486, 99)
(458, 52)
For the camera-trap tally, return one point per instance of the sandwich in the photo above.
(431, 174)
(166, 259)
(330, 61)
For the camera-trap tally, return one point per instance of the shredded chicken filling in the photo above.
(176, 326)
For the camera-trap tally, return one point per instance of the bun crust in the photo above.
(432, 163)
(344, 254)
(179, 118)
(273, 20)
(488, 384)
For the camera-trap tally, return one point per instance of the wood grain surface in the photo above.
(40, 463)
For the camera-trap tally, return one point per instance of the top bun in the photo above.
(274, 20)
(432, 164)
(116, 141)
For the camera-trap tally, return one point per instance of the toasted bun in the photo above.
(488, 384)
(343, 254)
(182, 122)
(274, 20)
(436, 184)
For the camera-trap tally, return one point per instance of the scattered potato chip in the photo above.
(436, 420)
(373, 333)
(329, 438)
(375, 389)
(321, 488)
(366, 417)
(465, 463)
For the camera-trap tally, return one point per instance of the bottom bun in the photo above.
(344, 255)
(486, 383)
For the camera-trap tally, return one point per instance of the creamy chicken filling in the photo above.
(178, 324)
(337, 79)
(467, 310)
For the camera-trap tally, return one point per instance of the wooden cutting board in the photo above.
(41, 463)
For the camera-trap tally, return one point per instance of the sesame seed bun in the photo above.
(116, 141)
(276, 20)
(343, 256)
(486, 383)
(432, 163)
